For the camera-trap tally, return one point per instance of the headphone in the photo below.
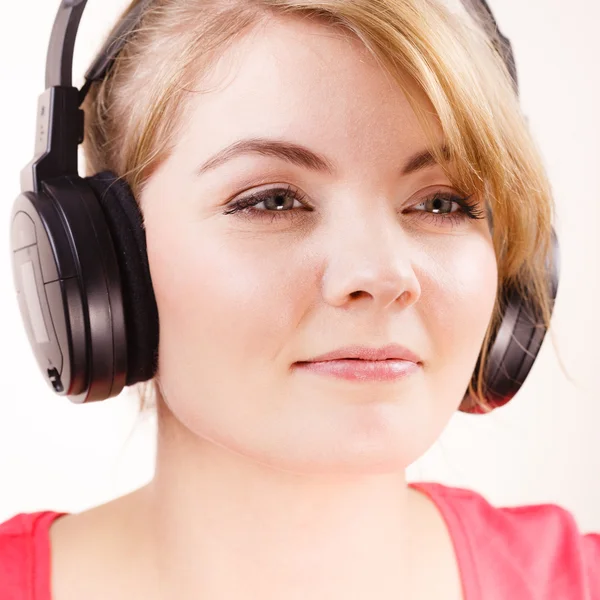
(78, 246)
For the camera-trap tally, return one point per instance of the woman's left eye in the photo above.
(441, 203)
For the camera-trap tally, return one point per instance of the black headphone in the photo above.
(79, 256)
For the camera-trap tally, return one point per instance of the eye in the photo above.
(278, 202)
(447, 206)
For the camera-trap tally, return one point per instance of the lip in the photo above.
(389, 352)
(361, 363)
(361, 370)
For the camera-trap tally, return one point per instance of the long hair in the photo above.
(134, 114)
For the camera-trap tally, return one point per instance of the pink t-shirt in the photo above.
(522, 553)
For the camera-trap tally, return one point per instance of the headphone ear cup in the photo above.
(512, 352)
(516, 344)
(83, 285)
(125, 223)
(69, 289)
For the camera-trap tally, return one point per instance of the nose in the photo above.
(374, 264)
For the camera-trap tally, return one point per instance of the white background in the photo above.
(543, 447)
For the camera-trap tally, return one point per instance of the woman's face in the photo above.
(357, 255)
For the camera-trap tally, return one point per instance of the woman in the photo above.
(314, 178)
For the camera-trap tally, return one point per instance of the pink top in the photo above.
(523, 553)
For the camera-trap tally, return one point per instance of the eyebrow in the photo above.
(302, 156)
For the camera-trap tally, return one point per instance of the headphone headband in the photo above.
(59, 60)
(502, 44)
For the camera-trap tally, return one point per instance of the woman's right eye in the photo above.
(279, 202)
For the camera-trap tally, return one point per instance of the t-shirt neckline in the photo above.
(434, 491)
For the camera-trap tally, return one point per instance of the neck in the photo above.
(226, 526)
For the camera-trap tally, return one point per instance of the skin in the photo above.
(262, 468)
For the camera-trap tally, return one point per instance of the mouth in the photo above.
(390, 352)
(360, 370)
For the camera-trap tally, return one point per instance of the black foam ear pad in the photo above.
(125, 223)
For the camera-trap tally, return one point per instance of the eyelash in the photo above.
(245, 206)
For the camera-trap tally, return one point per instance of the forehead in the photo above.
(291, 78)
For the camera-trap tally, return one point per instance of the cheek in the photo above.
(459, 289)
(221, 299)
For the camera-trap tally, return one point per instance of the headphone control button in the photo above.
(54, 377)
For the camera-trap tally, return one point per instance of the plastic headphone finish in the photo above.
(517, 341)
(80, 266)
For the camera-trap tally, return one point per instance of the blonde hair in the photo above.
(133, 115)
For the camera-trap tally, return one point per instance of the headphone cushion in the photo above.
(125, 223)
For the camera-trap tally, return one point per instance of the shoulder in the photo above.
(24, 552)
(534, 550)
